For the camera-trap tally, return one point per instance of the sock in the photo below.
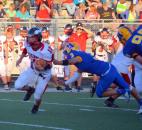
(111, 99)
(121, 91)
(139, 102)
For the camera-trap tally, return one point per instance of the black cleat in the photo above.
(34, 109)
(29, 93)
(92, 91)
(79, 89)
(59, 88)
(110, 104)
(67, 88)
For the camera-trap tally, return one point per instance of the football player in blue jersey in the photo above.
(133, 46)
(106, 71)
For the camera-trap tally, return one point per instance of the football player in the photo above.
(106, 71)
(36, 77)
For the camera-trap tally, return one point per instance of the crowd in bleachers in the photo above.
(44, 10)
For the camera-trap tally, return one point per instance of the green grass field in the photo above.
(67, 111)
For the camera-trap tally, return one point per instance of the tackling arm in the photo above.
(72, 61)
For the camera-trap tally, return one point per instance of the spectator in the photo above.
(97, 3)
(80, 11)
(92, 13)
(57, 8)
(11, 12)
(70, 6)
(106, 12)
(19, 3)
(138, 9)
(23, 12)
(2, 12)
(121, 7)
(44, 13)
(48, 3)
(80, 36)
(130, 15)
(77, 2)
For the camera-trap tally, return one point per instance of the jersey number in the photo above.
(137, 39)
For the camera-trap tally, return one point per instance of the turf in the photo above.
(66, 111)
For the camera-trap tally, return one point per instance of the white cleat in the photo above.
(140, 110)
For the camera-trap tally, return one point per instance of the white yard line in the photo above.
(72, 105)
(86, 110)
(32, 125)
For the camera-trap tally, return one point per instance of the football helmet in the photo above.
(35, 31)
(24, 31)
(45, 29)
(124, 33)
(68, 29)
(68, 48)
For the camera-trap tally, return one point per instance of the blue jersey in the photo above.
(89, 64)
(107, 72)
(134, 43)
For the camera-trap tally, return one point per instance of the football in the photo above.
(40, 64)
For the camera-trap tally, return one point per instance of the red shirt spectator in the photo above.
(43, 14)
(79, 39)
(80, 36)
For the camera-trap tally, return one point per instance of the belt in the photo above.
(107, 71)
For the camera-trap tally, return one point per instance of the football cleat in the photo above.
(59, 88)
(67, 88)
(110, 104)
(29, 93)
(34, 109)
(140, 110)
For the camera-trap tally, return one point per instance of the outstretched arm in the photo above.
(72, 61)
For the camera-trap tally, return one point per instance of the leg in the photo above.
(24, 81)
(40, 88)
